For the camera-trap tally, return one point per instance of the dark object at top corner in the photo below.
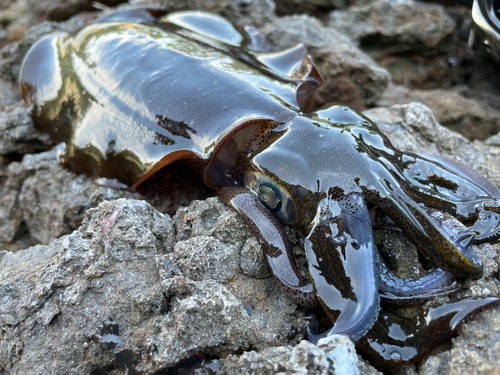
(486, 16)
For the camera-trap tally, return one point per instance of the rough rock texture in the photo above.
(458, 109)
(118, 290)
(58, 10)
(398, 25)
(18, 133)
(46, 200)
(336, 57)
(241, 12)
(332, 355)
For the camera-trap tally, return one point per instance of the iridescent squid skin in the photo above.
(141, 89)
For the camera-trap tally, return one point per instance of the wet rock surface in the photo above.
(111, 284)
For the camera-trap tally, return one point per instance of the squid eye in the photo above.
(272, 196)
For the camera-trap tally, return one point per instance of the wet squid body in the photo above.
(140, 89)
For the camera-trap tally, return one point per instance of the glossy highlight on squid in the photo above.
(140, 89)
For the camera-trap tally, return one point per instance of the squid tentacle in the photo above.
(438, 236)
(273, 239)
(487, 227)
(399, 291)
(457, 189)
(341, 262)
(396, 341)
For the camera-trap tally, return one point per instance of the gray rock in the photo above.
(493, 140)
(9, 94)
(118, 288)
(58, 10)
(334, 54)
(470, 117)
(241, 12)
(10, 216)
(47, 198)
(332, 355)
(18, 133)
(457, 109)
(397, 26)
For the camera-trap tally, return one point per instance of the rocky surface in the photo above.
(113, 285)
(121, 289)
(241, 12)
(464, 111)
(46, 200)
(336, 57)
(59, 10)
(398, 25)
(333, 355)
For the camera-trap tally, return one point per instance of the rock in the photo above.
(469, 117)
(119, 288)
(241, 12)
(18, 133)
(472, 116)
(10, 94)
(333, 355)
(59, 10)
(397, 26)
(47, 199)
(493, 140)
(421, 44)
(10, 217)
(336, 57)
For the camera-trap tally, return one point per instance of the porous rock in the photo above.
(334, 54)
(333, 355)
(119, 290)
(466, 112)
(48, 199)
(397, 26)
(18, 133)
(241, 12)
